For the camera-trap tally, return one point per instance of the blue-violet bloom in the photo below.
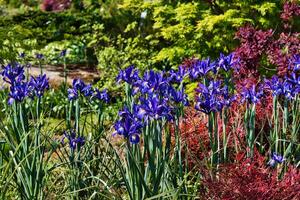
(39, 85)
(12, 74)
(73, 140)
(129, 75)
(276, 159)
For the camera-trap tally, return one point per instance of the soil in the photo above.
(56, 73)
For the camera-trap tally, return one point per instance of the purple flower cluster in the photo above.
(178, 96)
(73, 140)
(155, 108)
(79, 87)
(38, 85)
(130, 125)
(13, 73)
(101, 95)
(155, 84)
(226, 62)
(129, 75)
(200, 68)
(289, 87)
(152, 83)
(213, 98)
(19, 88)
(18, 92)
(155, 98)
(178, 76)
(252, 95)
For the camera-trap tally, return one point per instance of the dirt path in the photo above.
(56, 74)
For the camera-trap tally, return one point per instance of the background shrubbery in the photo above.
(149, 34)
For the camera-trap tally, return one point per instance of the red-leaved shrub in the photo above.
(278, 48)
(251, 179)
(55, 5)
(290, 9)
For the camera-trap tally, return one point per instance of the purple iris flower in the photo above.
(128, 125)
(134, 138)
(178, 76)
(251, 95)
(178, 96)
(213, 98)
(226, 62)
(200, 68)
(155, 108)
(193, 72)
(101, 95)
(275, 159)
(18, 92)
(129, 129)
(294, 79)
(73, 140)
(78, 84)
(214, 67)
(63, 53)
(275, 85)
(290, 87)
(39, 56)
(137, 112)
(227, 97)
(129, 75)
(289, 90)
(79, 87)
(213, 88)
(295, 63)
(207, 104)
(72, 94)
(153, 82)
(204, 67)
(12, 74)
(87, 90)
(127, 113)
(38, 85)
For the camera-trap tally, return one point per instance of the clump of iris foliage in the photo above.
(39, 161)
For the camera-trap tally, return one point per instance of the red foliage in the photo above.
(251, 179)
(281, 51)
(264, 110)
(278, 48)
(194, 134)
(55, 5)
(290, 9)
(253, 45)
(189, 62)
